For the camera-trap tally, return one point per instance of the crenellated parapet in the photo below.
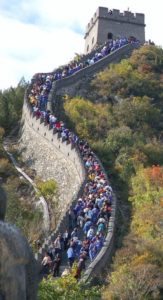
(117, 16)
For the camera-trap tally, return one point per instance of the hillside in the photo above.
(124, 126)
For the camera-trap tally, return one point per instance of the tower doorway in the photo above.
(110, 36)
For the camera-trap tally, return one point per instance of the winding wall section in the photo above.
(37, 139)
(77, 83)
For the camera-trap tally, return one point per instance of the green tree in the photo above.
(11, 102)
(67, 288)
(141, 114)
(138, 264)
(119, 137)
(91, 120)
(140, 75)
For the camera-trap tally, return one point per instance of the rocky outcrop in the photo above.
(18, 268)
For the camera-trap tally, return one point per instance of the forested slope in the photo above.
(124, 126)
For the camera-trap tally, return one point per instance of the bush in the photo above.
(5, 167)
(47, 188)
(67, 288)
(22, 213)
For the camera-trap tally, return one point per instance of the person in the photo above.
(92, 250)
(66, 237)
(46, 264)
(91, 233)
(81, 265)
(71, 218)
(80, 220)
(56, 265)
(57, 244)
(71, 255)
(87, 226)
(74, 233)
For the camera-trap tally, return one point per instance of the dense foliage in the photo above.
(138, 265)
(127, 129)
(11, 102)
(126, 132)
(137, 76)
(67, 288)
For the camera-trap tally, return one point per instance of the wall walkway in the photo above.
(77, 83)
(47, 152)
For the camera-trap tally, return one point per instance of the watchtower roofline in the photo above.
(117, 16)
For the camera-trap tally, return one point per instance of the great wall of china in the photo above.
(65, 164)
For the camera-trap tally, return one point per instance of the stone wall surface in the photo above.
(51, 158)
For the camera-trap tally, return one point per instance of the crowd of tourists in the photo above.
(89, 218)
(44, 82)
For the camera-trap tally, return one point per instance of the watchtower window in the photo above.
(93, 40)
(110, 36)
(87, 48)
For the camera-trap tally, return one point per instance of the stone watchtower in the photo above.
(107, 24)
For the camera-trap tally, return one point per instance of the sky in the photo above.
(40, 35)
